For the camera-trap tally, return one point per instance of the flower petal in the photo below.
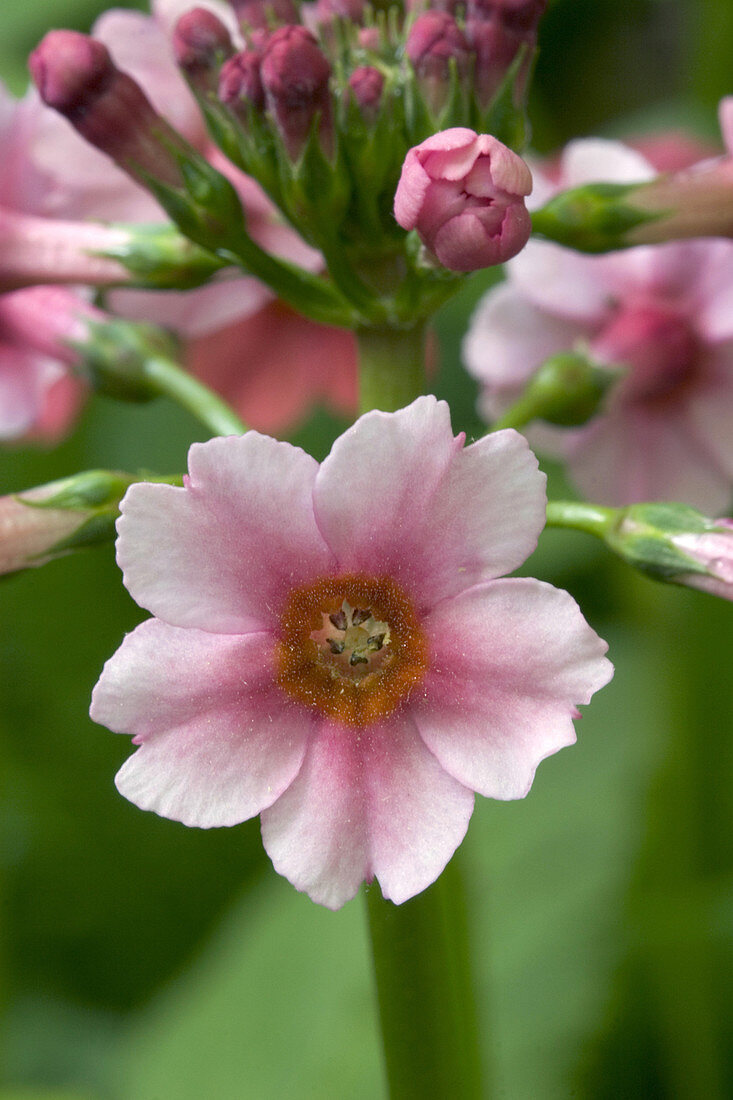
(599, 160)
(222, 553)
(399, 495)
(566, 284)
(510, 661)
(633, 455)
(368, 802)
(509, 338)
(217, 743)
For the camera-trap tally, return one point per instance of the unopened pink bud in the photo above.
(496, 29)
(68, 67)
(714, 551)
(48, 320)
(433, 40)
(351, 10)
(76, 76)
(464, 194)
(369, 38)
(240, 82)
(46, 250)
(367, 84)
(29, 533)
(200, 43)
(295, 75)
(521, 16)
(265, 13)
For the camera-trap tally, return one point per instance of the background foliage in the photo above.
(143, 960)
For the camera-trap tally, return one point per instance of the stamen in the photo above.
(364, 675)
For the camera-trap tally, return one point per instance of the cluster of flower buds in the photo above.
(321, 112)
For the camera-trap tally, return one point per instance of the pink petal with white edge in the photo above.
(216, 742)
(509, 338)
(222, 554)
(399, 495)
(367, 802)
(510, 662)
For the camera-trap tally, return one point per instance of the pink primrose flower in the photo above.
(464, 194)
(332, 648)
(662, 314)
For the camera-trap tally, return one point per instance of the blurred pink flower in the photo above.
(38, 395)
(332, 649)
(464, 194)
(663, 314)
(289, 364)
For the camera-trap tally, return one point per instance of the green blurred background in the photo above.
(141, 960)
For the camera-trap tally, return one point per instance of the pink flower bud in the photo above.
(714, 551)
(369, 38)
(29, 533)
(240, 82)
(295, 75)
(464, 194)
(48, 320)
(45, 250)
(366, 84)
(434, 38)
(496, 30)
(352, 10)
(76, 76)
(200, 43)
(263, 13)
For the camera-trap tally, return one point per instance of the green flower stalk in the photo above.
(667, 541)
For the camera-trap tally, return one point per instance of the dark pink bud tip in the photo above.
(366, 84)
(68, 68)
(519, 16)
(293, 68)
(199, 40)
(239, 80)
(434, 38)
(263, 13)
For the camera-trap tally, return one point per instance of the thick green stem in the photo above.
(391, 367)
(173, 382)
(426, 998)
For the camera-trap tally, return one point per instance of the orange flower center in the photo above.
(351, 647)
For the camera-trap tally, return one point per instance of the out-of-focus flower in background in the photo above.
(660, 314)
